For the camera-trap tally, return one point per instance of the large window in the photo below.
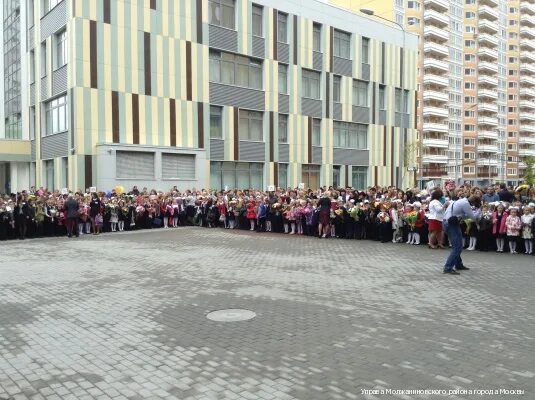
(49, 175)
(382, 97)
(337, 86)
(282, 28)
(311, 84)
(360, 93)
(216, 122)
(32, 66)
(365, 50)
(283, 176)
(402, 103)
(258, 21)
(283, 128)
(43, 59)
(222, 13)
(342, 43)
(283, 78)
(349, 135)
(316, 132)
(236, 175)
(61, 49)
(235, 70)
(134, 165)
(178, 166)
(359, 179)
(57, 112)
(251, 126)
(311, 176)
(316, 37)
(336, 176)
(50, 4)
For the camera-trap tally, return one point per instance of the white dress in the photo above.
(526, 226)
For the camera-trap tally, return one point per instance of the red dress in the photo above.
(250, 211)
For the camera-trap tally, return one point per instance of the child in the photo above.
(498, 227)
(396, 215)
(410, 216)
(484, 228)
(514, 224)
(471, 230)
(262, 214)
(251, 214)
(527, 234)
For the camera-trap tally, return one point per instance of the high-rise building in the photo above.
(476, 84)
(212, 93)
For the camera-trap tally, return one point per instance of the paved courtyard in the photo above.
(123, 316)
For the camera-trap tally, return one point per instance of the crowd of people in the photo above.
(503, 219)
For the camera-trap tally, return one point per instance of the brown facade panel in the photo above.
(271, 135)
(189, 89)
(276, 174)
(236, 134)
(374, 109)
(199, 21)
(392, 154)
(106, 11)
(93, 64)
(275, 16)
(172, 122)
(384, 146)
(309, 152)
(135, 118)
(147, 51)
(375, 175)
(331, 48)
(115, 116)
(347, 175)
(153, 4)
(296, 39)
(327, 95)
(88, 168)
(200, 124)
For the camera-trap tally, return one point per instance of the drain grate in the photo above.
(231, 315)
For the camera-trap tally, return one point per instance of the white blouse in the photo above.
(436, 210)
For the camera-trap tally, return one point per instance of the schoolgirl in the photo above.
(499, 228)
(527, 233)
(251, 214)
(514, 225)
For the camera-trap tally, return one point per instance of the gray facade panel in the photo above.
(342, 66)
(31, 38)
(337, 111)
(32, 94)
(217, 149)
(223, 38)
(283, 52)
(317, 155)
(259, 47)
(226, 95)
(33, 147)
(54, 20)
(406, 120)
(284, 152)
(350, 156)
(59, 81)
(317, 60)
(361, 114)
(284, 103)
(44, 88)
(55, 146)
(366, 72)
(252, 151)
(382, 117)
(311, 107)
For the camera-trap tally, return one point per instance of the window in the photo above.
(512, 122)
(413, 4)
(512, 146)
(50, 4)
(469, 170)
(402, 103)
(283, 78)
(365, 50)
(350, 135)
(470, 14)
(43, 59)
(49, 174)
(311, 84)
(32, 123)
(359, 179)
(469, 128)
(310, 176)
(283, 128)
(469, 71)
(360, 93)
(470, 43)
(216, 122)
(513, 109)
(56, 116)
(342, 42)
(251, 126)
(178, 166)
(336, 176)
(282, 28)
(235, 70)
(512, 134)
(470, 156)
(513, 97)
(134, 164)
(469, 114)
(469, 142)
(61, 49)
(232, 175)
(470, 57)
(337, 86)
(222, 13)
(283, 175)
(32, 66)
(258, 21)
(316, 37)
(382, 97)
(316, 132)
(413, 21)
(513, 85)
(469, 85)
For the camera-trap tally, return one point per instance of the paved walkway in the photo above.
(122, 316)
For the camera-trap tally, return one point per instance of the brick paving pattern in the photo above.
(122, 316)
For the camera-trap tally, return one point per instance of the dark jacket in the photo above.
(506, 195)
(71, 208)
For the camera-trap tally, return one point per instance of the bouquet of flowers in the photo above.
(468, 222)
(140, 210)
(276, 207)
(411, 218)
(384, 217)
(338, 211)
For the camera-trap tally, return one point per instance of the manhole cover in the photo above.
(231, 315)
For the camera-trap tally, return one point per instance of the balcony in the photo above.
(490, 107)
(436, 96)
(433, 18)
(435, 112)
(527, 8)
(527, 104)
(487, 81)
(527, 93)
(487, 161)
(437, 80)
(487, 135)
(526, 32)
(436, 34)
(527, 128)
(527, 56)
(435, 159)
(488, 40)
(434, 127)
(527, 116)
(437, 5)
(438, 143)
(431, 64)
(487, 148)
(528, 45)
(487, 27)
(527, 68)
(487, 94)
(527, 20)
(488, 67)
(488, 54)
(435, 50)
(526, 139)
(487, 121)
(488, 13)
(527, 81)
(526, 152)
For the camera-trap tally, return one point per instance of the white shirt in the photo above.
(436, 210)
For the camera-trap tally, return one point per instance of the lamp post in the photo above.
(402, 157)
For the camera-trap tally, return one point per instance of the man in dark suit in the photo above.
(71, 209)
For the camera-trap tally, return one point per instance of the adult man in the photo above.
(491, 196)
(71, 208)
(459, 208)
(505, 195)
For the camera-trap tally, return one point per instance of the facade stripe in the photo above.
(153, 4)
(188, 72)
(106, 11)
(200, 124)
(309, 144)
(276, 174)
(199, 21)
(384, 146)
(147, 64)
(88, 169)
(172, 121)
(93, 53)
(115, 115)
(392, 137)
(236, 134)
(271, 135)
(274, 33)
(327, 95)
(135, 118)
(331, 48)
(296, 39)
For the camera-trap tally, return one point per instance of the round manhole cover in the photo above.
(231, 315)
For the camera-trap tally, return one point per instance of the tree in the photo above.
(529, 177)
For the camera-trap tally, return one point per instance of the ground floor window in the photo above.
(236, 175)
(49, 174)
(283, 176)
(134, 165)
(311, 176)
(360, 178)
(65, 172)
(336, 176)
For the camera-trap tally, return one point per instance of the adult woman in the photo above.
(436, 215)
(94, 210)
(324, 205)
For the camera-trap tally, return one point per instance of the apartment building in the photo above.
(475, 84)
(213, 93)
